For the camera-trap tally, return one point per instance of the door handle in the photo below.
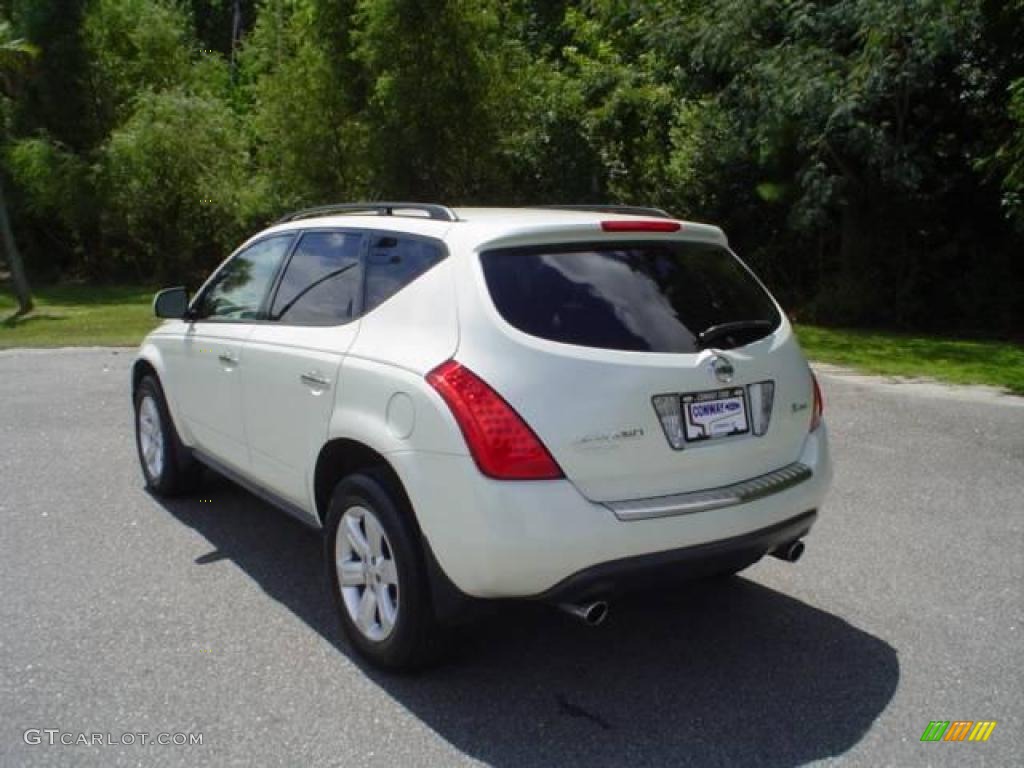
(315, 380)
(228, 358)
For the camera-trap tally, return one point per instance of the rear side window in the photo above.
(642, 297)
(394, 262)
(321, 284)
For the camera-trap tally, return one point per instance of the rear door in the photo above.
(292, 362)
(292, 378)
(647, 367)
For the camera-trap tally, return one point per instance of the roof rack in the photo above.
(433, 211)
(633, 210)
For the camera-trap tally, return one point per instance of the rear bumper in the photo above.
(677, 565)
(544, 539)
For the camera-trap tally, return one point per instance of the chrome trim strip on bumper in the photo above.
(713, 498)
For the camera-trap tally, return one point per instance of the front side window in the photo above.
(394, 262)
(672, 296)
(239, 289)
(323, 280)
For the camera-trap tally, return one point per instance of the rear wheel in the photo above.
(167, 466)
(377, 576)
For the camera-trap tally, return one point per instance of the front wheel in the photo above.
(376, 574)
(166, 464)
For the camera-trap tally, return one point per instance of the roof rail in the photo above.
(632, 210)
(433, 211)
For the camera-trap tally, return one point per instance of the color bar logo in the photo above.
(958, 730)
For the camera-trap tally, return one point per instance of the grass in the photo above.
(998, 364)
(79, 315)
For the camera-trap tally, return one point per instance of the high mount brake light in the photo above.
(625, 225)
(501, 443)
(819, 404)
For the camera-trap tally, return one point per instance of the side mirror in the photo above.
(171, 303)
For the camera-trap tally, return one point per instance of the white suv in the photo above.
(547, 403)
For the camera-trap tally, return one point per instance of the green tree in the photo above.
(221, 25)
(1011, 154)
(866, 155)
(434, 69)
(140, 62)
(625, 99)
(309, 139)
(858, 123)
(57, 98)
(175, 183)
(15, 54)
(1001, 43)
(134, 46)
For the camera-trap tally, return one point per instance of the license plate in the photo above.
(719, 413)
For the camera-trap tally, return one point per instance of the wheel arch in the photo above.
(343, 456)
(149, 362)
(140, 369)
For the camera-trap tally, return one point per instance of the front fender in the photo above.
(151, 353)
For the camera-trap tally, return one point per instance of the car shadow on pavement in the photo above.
(726, 673)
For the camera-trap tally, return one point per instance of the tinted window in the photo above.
(393, 263)
(322, 282)
(240, 287)
(645, 297)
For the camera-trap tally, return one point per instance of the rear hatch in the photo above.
(647, 365)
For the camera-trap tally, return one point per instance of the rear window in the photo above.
(642, 297)
(394, 262)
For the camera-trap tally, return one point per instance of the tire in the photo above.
(167, 465)
(384, 606)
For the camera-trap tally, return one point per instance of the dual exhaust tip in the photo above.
(594, 613)
(791, 551)
(591, 614)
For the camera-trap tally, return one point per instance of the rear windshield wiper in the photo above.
(720, 330)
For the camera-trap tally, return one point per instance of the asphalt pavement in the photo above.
(124, 614)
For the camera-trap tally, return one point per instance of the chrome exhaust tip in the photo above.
(790, 551)
(590, 614)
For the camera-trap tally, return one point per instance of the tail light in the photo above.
(819, 404)
(631, 225)
(501, 443)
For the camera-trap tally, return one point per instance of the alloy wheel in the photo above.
(367, 573)
(151, 437)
